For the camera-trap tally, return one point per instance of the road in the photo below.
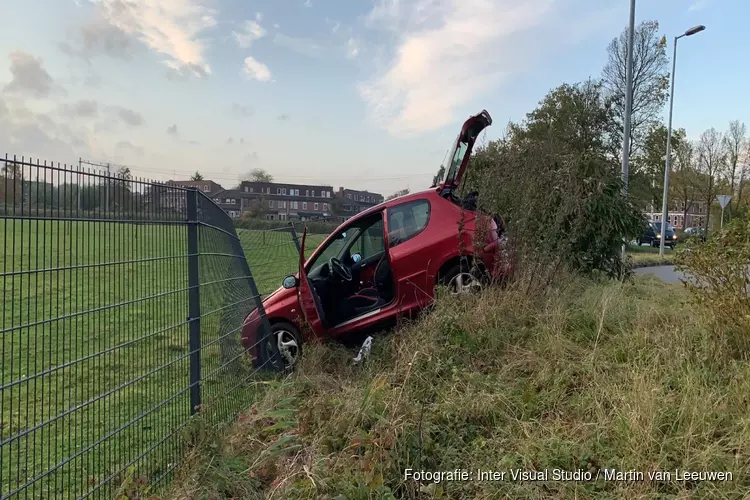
(670, 275)
(666, 273)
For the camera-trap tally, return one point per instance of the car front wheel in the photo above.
(281, 349)
(461, 280)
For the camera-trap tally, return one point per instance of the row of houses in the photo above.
(680, 217)
(282, 201)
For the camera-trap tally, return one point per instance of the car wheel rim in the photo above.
(464, 283)
(287, 347)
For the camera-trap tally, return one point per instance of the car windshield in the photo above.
(670, 227)
(333, 249)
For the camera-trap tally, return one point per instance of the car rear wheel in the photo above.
(281, 349)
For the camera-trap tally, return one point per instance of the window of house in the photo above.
(278, 190)
(233, 202)
(307, 192)
(304, 205)
(407, 220)
(294, 205)
(296, 192)
(206, 188)
(283, 191)
(313, 192)
(270, 203)
(325, 206)
(349, 195)
(282, 204)
(251, 190)
(315, 206)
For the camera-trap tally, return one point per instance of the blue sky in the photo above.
(362, 93)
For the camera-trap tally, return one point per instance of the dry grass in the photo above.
(626, 376)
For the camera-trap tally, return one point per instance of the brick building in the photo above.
(679, 217)
(353, 201)
(277, 201)
(283, 201)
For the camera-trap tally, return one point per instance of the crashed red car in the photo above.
(384, 263)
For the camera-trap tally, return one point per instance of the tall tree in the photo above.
(401, 192)
(647, 175)
(684, 178)
(650, 83)
(735, 142)
(439, 176)
(197, 176)
(258, 175)
(711, 162)
(743, 173)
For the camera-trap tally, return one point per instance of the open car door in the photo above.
(308, 298)
(461, 152)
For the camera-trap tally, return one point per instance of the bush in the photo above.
(559, 192)
(720, 278)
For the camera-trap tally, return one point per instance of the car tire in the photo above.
(280, 351)
(461, 279)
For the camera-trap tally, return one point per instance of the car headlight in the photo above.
(658, 235)
(674, 237)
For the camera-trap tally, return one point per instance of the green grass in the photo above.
(135, 314)
(273, 255)
(644, 256)
(628, 376)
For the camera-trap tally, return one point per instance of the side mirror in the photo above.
(289, 282)
(356, 258)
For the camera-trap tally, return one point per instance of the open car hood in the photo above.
(458, 159)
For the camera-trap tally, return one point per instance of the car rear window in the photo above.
(407, 220)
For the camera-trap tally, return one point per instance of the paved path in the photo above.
(666, 273)
(670, 275)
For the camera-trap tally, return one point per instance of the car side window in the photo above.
(370, 241)
(407, 220)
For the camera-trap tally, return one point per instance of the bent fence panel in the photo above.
(123, 304)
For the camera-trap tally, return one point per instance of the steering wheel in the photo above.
(339, 269)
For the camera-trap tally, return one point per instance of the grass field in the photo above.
(648, 256)
(95, 349)
(626, 376)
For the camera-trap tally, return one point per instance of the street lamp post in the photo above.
(690, 32)
(628, 107)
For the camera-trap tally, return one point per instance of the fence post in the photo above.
(295, 238)
(194, 305)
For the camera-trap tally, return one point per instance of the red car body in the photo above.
(444, 234)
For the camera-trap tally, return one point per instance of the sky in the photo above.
(366, 94)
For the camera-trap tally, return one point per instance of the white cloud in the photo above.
(258, 16)
(352, 48)
(172, 28)
(698, 5)
(447, 52)
(256, 70)
(251, 31)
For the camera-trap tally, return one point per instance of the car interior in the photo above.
(352, 276)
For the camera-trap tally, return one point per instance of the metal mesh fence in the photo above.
(123, 305)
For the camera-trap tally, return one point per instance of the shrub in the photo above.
(720, 278)
(557, 188)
